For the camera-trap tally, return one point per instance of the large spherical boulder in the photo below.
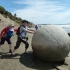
(50, 43)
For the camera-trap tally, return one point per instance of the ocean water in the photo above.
(65, 27)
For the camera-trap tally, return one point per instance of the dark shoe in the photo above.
(10, 51)
(26, 52)
(65, 63)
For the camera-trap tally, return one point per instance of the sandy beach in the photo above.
(22, 61)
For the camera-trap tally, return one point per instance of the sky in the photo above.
(40, 11)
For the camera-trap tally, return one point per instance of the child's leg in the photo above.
(2, 41)
(10, 48)
(17, 45)
(10, 43)
(26, 45)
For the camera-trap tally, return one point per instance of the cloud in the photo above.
(43, 11)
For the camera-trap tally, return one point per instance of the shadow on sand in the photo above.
(8, 55)
(29, 60)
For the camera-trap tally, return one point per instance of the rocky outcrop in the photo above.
(50, 43)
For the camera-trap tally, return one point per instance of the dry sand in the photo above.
(28, 61)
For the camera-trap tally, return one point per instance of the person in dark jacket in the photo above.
(21, 37)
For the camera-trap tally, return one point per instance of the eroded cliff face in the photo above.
(5, 22)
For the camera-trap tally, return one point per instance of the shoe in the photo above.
(65, 63)
(26, 52)
(10, 51)
(12, 54)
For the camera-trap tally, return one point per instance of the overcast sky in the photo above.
(40, 11)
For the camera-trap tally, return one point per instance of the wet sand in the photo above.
(22, 61)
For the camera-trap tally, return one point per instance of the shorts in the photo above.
(4, 39)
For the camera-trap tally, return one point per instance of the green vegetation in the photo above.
(12, 17)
